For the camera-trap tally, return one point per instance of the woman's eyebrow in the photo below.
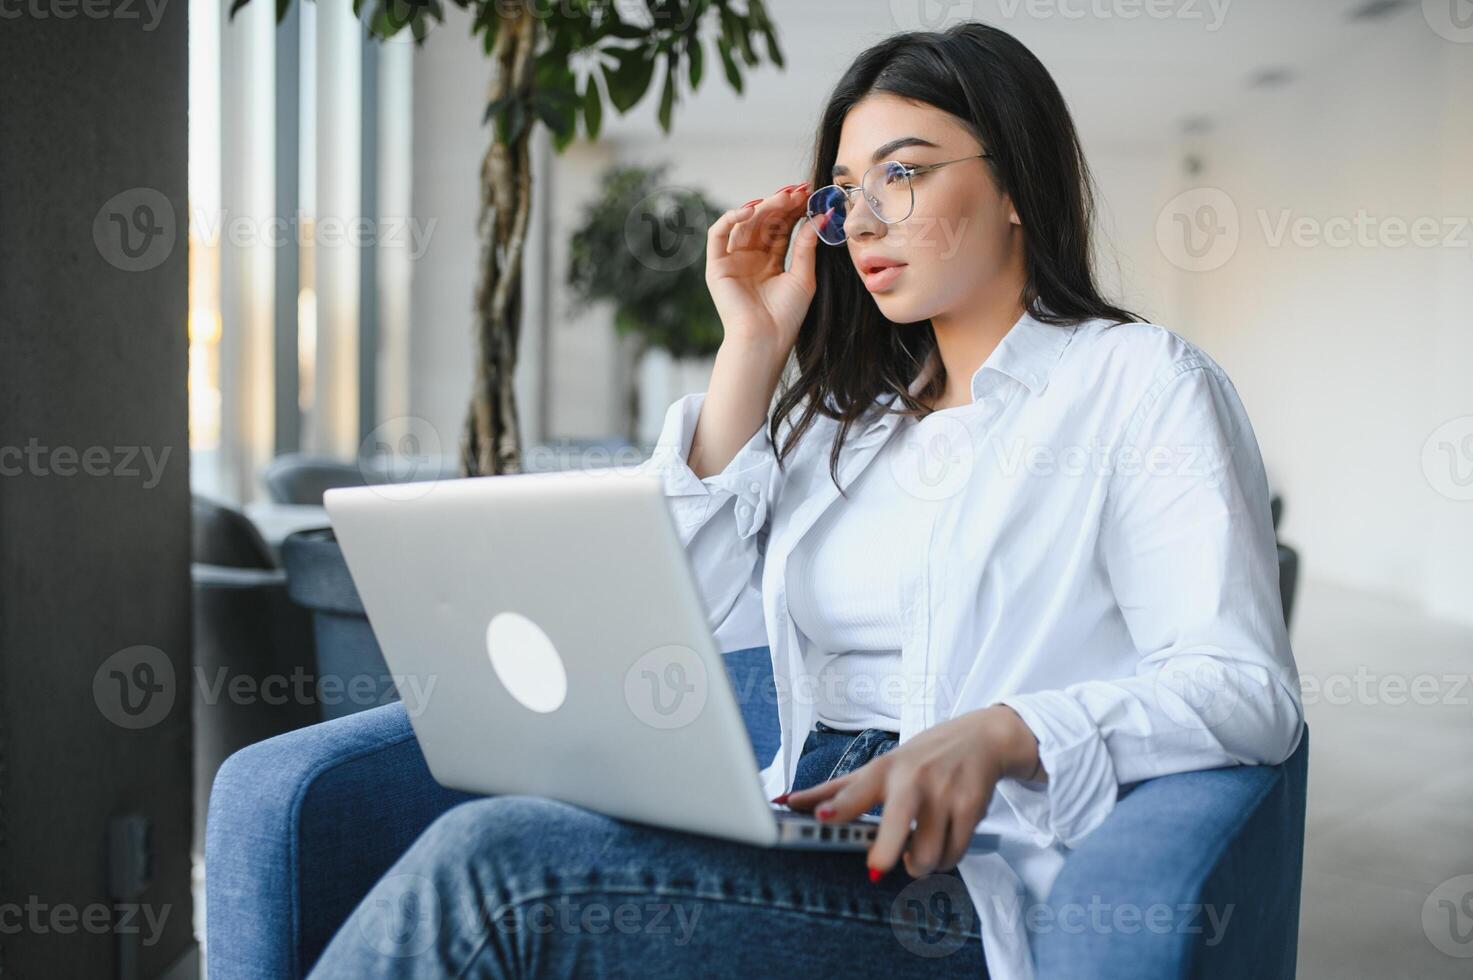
(884, 151)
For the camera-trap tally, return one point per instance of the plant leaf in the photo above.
(593, 108)
(697, 57)
(733, 73)
(494, 107)
(559, 120)
(511, 122)
(552, 72)
(667, 97)
(628, 82)
(774, 53)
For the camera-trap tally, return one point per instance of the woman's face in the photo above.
(963, 232)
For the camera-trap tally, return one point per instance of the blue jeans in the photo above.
(520, 886)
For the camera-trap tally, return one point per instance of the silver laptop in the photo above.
(546, 637)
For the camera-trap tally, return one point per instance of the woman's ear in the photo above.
(1012, 211)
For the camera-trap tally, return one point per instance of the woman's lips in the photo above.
(882, 278)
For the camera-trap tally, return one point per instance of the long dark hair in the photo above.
(848, 352)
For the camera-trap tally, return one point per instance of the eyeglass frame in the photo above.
(909, 171)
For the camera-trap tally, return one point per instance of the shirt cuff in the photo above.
(1081, 789)
(750, 476)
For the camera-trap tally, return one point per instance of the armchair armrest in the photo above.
(1221, 849)
(300, 827)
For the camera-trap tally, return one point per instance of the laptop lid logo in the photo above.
(526, 662)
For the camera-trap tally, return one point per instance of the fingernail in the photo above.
(755, 200)
(784, 190)
(783, 798)
(825, 811)
(875, 874)
(803, 186)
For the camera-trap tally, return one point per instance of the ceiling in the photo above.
(1131, 78)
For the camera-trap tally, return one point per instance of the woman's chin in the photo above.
(900, 308)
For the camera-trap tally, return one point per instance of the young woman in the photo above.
(1010, 549)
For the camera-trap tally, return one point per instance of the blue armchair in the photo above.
(301, 826)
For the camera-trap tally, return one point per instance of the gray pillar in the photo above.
(94, 486)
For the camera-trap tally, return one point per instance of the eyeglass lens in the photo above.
(886, 189)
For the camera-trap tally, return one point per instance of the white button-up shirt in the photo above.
(1102, 560)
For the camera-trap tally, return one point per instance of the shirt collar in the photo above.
(1027, 354)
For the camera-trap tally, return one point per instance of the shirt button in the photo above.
(744, 511)
(755, 487)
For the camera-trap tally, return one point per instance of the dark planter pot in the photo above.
(352, 675)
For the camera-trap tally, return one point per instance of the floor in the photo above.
(1389, 701)
(1390, 790)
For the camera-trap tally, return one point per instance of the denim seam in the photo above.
(973, 932)
(844, 755)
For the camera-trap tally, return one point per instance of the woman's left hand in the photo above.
(942, 778)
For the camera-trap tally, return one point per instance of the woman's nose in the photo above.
(860, 220)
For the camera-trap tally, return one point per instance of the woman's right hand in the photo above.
(757, 300)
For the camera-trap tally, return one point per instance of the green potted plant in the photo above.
(641, 247)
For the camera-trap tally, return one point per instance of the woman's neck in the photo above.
(964, 341)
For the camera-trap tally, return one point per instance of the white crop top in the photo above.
(883, 527)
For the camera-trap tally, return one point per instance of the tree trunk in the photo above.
(491, 442)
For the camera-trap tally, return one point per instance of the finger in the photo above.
(865, 790)
(894, 830)
(928, 840)
(807, 799)
(769, 226)
(720, 231)
(805, 248)
(787, 210)
(958, 836)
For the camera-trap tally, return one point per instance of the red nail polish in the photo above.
(875, 874)
(825, 811)
(783, 798)
(755, 200)
(784, 190)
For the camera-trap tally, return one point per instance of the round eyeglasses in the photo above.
(887, 191)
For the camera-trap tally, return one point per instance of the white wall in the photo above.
(1349, 357)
